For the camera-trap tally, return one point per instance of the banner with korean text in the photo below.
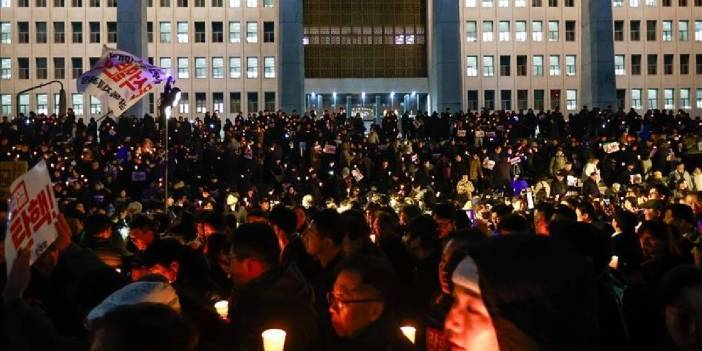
(120, 79)
(33, 213)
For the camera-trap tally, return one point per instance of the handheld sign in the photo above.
(33, 213)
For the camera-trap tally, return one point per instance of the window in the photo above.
(698, 30)
(651, 30)
(538, 62)
(23, 3)
(552, 3)
(184, 105)
(234, 102)
(552, 30)
(95, 106)
(683, 30)
(699, 98)
(668, 64)
(652, 60)
(666, 3)
(5, 68)
(252, 101)
(684, 64)
(505, 66)
(503, 3)
(537, 31)
(234, 3)
(182, 3)
(200, 103)
(113, 3)
(522, 99)
(471, 31)
(636, 65)
(685, 99)
(698, 64)
(667, 30)
(200, 32)
(571, 99)
(471, 3)
(555, 98)
(182, 28)
(165, 3)
(94, 32)
(651, 3)
(23, 31)
(93, 61)
(149, 32)
(472, 66)
(519, 3)
(165, 32)
(269, 101)
(535, 3)
(268, 32)
(489, 99)
(618, 30)
(218, 102)
(251, 67)
(183, 70)
(570, 65)
(251, 3)
(473, 100)
(41, 32)
(235, 67)
(668, 99)
(200, 67)
(617, 3)
(24, 103)
(487, 3)
(5, 3)
(269, 67)
(487, 31)
(23, 64)
(488, 66)
(569, 3)
(539, 99)
(165, 64)
(251, 32)
(77, 66)
(636, 99)
(268, 3)
(199, 3)
(504, 30)
(635, 30)
(234, 32)
(5, 104)
(520, 31)
(218, 67)
(652, 98)
(77, 29)
(112, 32)
(570, 30)
(59, 68)
(5, 33)
(217, 32)
(619, 65)
(521, 65)
(554, 66)
(77, 104)
(506, 100)
(42, 68)
(94, 3)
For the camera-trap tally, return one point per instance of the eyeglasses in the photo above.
(337, 303)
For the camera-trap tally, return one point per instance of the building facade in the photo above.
(223, 53)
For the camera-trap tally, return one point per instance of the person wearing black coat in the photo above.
(590, 188)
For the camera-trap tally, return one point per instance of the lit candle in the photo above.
(409, 332)
(222, 308)
(273, 339)
(372, 237)
(614, 262)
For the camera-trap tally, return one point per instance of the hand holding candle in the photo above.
(222, 308)
(273, 339)
(409, 332)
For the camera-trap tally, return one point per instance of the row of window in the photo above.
(165, 32)
(77, 102)
(182, 67)
(518, 3)
(505, 61)
(652, 31)
(520, 31)
(652, 64)
(149, 3)
(653, 96)
(654, 3)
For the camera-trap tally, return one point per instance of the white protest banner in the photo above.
(611, 147)
(329, 149)
(635, 179)
(120, 79)
(461, 133)
(357, 175)
(488, 164)
(33, 215)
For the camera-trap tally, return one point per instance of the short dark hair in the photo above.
(445, 211)
(256, 240)
(355, 225)
(142, 221)
(373, 272)
(284, 218)
(329, 225)
(146, 327)
(586, 208)
(164, 252)
(97, 223)
(425, 229)
(626, 220)
(678, 279)
(682, 212)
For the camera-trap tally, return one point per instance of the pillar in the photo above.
(131, 37)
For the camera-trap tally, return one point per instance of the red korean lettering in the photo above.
(20, 230)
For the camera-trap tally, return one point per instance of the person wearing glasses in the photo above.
(361, 309)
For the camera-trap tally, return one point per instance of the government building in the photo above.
(365, 56)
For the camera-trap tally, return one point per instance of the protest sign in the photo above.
(488, 164)
(9, 171)
(33, 213)
(611, 147)
(329, 149)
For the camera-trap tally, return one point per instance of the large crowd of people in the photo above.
(482, 230)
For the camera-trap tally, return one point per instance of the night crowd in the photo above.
(486, 230)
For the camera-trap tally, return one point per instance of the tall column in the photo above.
(291, 54)
(597, 81)
(445, 69)
(131, 37)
